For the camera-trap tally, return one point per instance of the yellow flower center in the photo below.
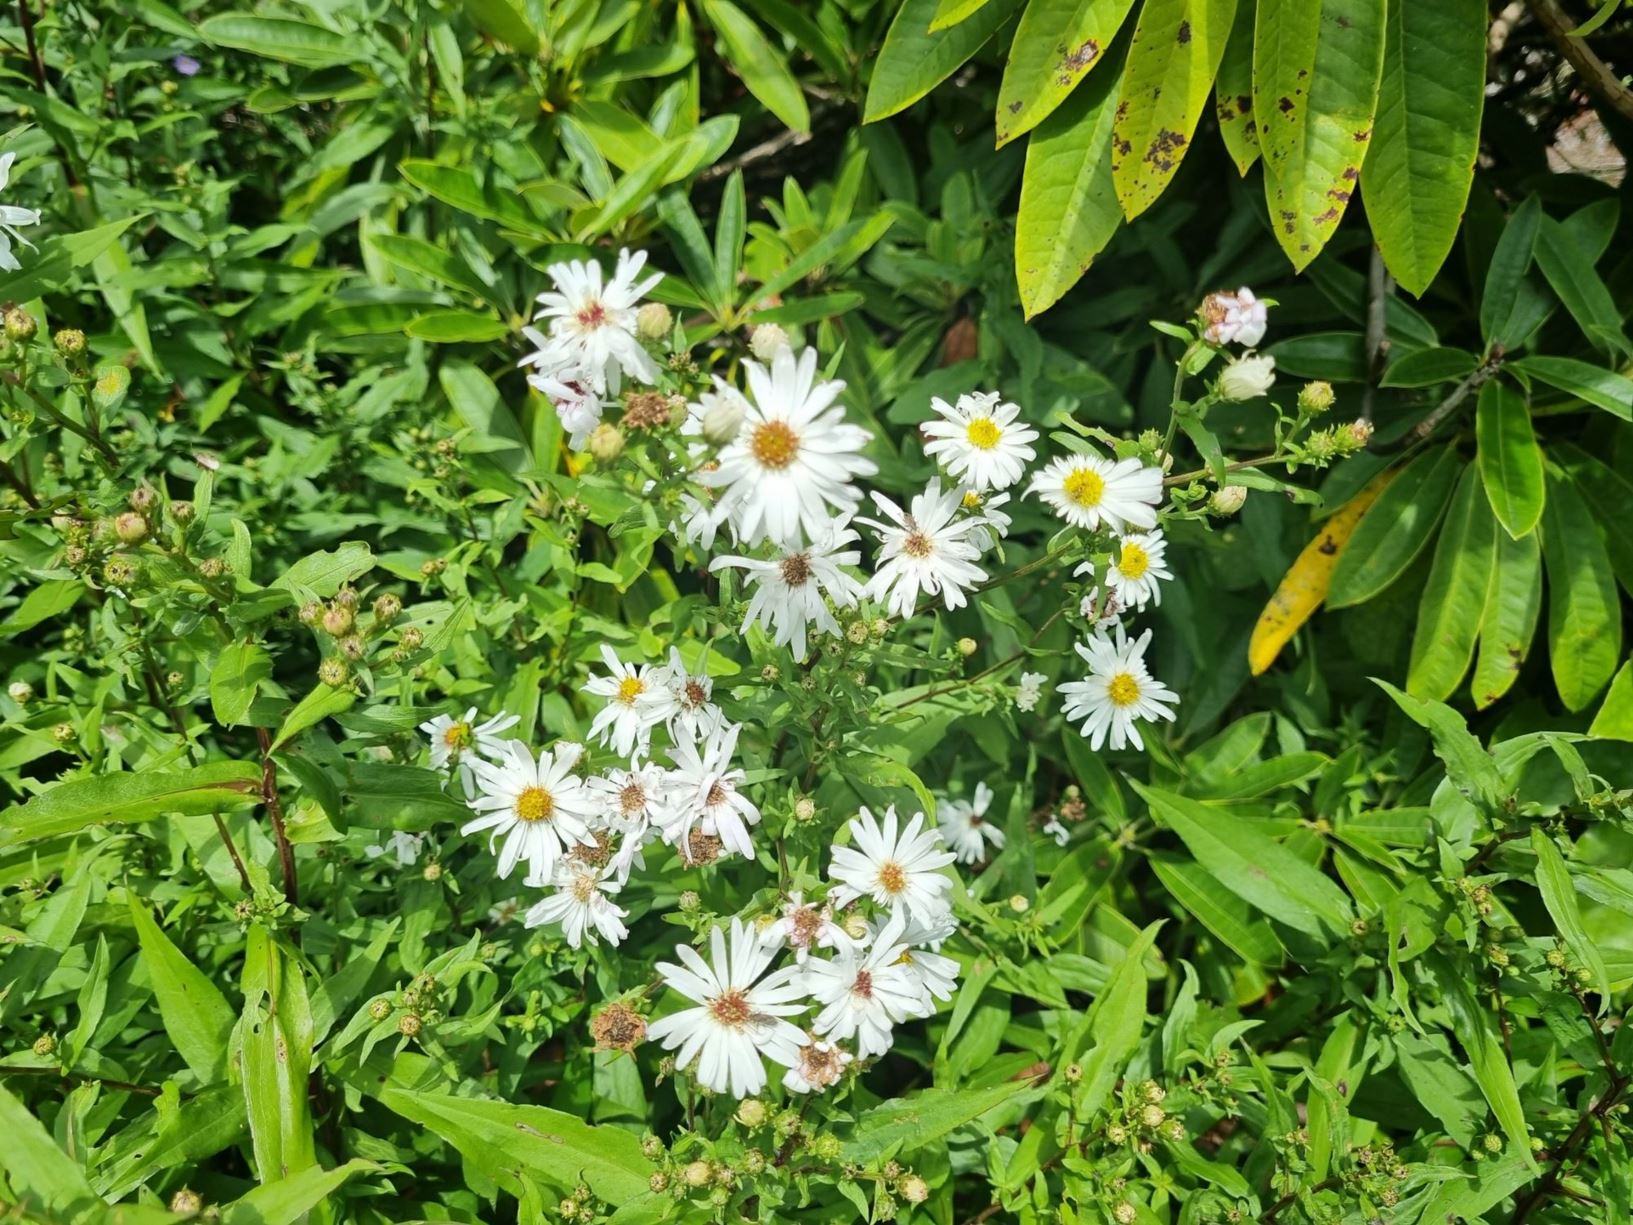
(1134, 562)
(1123, 690)
(916, 544)
(583, 888)
(1086, 487)
(630, 688)
(972, 500)
(774, 444)
(458, 736)
(984, 433)
(891, 877)
(535, 804)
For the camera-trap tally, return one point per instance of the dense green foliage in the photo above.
(1351, 939)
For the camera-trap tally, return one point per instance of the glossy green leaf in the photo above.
(1056, 44)
(1470, 768)
(1421, 160)
(923, 1118)
(1509, 621)
(289, 1200)
(1559, 896)
(753, 58)
(1114, 1023)
(1584, 612)
(1572, 277)
(460, 189)
(275, 1035)
(1219, 910)
(1233, 91)
(1068, 209)
(1608, 494)
(504, 21)
(1396, 528)
(1475, 1028)
(951, 12)
(1510, 461)
(322, 574)
(116, 799)
(280, 38)
(1429, 367)
(1316, 70)
(1505, 319)
(1456, 594)
(457, 327)
(1169, 75)
(237, 676)
(38, 1171)
(323, 702)
(913, 61)
(1615, 718)
(1600, 387)
(195, 1013)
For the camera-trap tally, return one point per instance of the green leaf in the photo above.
(1255, 867)
(1475, 1028)
(1068, 209)
(288, 1200)
(460, 189)
(1233, 91)
(913, 61)
(1056, 44)
(1608, 493)
(280, 38)
(1509, 621)
(237, 675)
(1396, 528)
(432, 262)
(1456, 594)
(1171, 65)
(1571, 275)
(39, 1173)
(1429, 367)
(908, 1123)
(1509, 458)
(1316, 69)
(113, 799)
(506, 1141)
(1114, 1024)
(50, 599)
(504, 21)
(1615, 718)
(1470, 768)
(195, 1013)
(1584, 614)
(456, 327)
(323, 702)
(1219, 910)
(751, 57)
(275, 1035)
(1503, 322)
(1421, 161)
(951, 12)
(1559, 896)
(322, 574)
(1596, 385)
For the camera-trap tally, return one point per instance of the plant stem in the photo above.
(275, 811)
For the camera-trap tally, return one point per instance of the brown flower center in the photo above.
(863, 986)
(796, 569)
(731, 1009)
(592, 316)
(632, 799)
(917, 544)
(717, 794)
(696, 694)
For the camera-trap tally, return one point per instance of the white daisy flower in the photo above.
(979, 442)
(1087, 491)
(582, 905)
(572, 392)
(900, 869)
(405, 847)
(926, 549)
(935, 975)
(789, 588)
(538, 807)
(12, 218)
(1137, 568)
(820, 1066)
(803, 926)
(738, 1017)
(1029, 690)
(1248, 377)
(453, 741)
(1056, 830)
(964, 825)
(703, 794)
(631, 803)
(694, 707)
(864, 990)
(790, 468)
(701, 518)
(1234, 318)
(638, 699)
(592, 322)
(1118, 693)
(987, 510)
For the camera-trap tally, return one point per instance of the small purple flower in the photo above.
(186, 65)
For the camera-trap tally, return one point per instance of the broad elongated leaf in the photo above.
(1421, 160)
(504, 21)
(114, 799)
(280, 38)
(1219, 910)
(1233, 91)
(1316, 70)
(1456, 594)
(1600, 387)
(1114, 1023)
(322, 574)
(1475, 1028)
(460, 188)
(762, 69)
(289, 1200)
(1608, 494)
(923, 1118)
(1510, 461)
(1056, 44)
(276, 1034)
(1559, 896)
(1584, 614)
(195, 1013)
(1504, 322)
(1068, 210)
(1171, 65)
(1396, 528)
(913, 61)
(40, 1172)
(237, 675)
(1508, 622)
(1470, 768)
(1615, 718)
(1571, 275)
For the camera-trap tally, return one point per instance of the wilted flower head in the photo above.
(1248, 377)
(1233, 318)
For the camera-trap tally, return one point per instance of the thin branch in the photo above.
(275, 811)
(1379, 286)
(1597, 77)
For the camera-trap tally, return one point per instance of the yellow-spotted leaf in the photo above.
(1510, 461)
(1316, 71)
(1509, 621)
(1233, 92)
(1056, 44)
(1171, 65)
(1456, 594)
(1584, 614)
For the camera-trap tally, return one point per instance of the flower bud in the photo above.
(1227, 501)
(651, 1147)
(751, 1112)
(1020, 904)
(130, 527)
(334, 672)
(1493, 1143)
(1315, 397)
(213, 567)
(1354, 437)
(568, 1208)
(689, 901)
(804, 809)
(606, 442)
(409, 1024)
(352, 646)
(337, 620)
(411, 638)
(20, 324)
(1248, 378)
(20, 692)
(380, 1009)
(186, 1202)
(1152, 1115)
(63, 733)
(767, 341)
(45, 1045)
(387, 607)
(697, 1174)
(967, 647)
(659, 1182)
(1125, 1213)
(722, 419)
(653, 321)
(913, 1189)
(70, 342)
(432, 871)
(182, 512)
(347, 597)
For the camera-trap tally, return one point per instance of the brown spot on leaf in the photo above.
(1244, 103)
(1183, 35)
(1285, 104)
(1327, 546)
(1164, 150)
(1364, 135)
(1074, 64)
(1351, 173)
(1331, 215)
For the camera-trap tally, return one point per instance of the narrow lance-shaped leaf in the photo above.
(1559, 896)
(913, 61)
(118, 798)
(1475, 1028)
(195, 1013)
(1315, 91)
(1455, 595)
(1584, 614)
(1421, 161)
(754, 59)
(1504, 320)
(1615, 718)
(1471, 769)
(1056, 44)
(1509, 459)
(1509, 621)
(1396, 528)
(1171, 64)
(1233, 92)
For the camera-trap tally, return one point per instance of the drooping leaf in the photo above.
(1469, 767)
(1508, 622)
(1233, 91)
(1509, 458)
(1456, 594)
(1504, 321)
(1615, 718)
(280, 38)
(1584, 612)
(753, 58)
(913, 61)
(113, 799)
(1056, 44)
